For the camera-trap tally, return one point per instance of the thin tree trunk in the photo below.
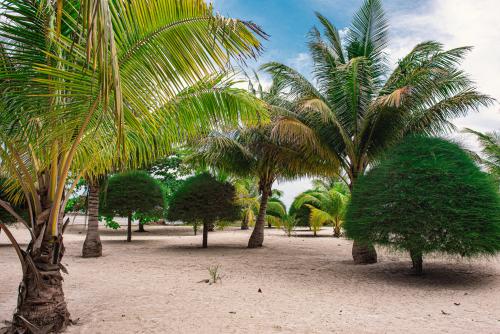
(206, 227)
(336, 230)
(141, 228)
(244, 222)
(417, 261)
(129, 228)
(92, 246)
(41, 306)
(257, 237)
(269, 225)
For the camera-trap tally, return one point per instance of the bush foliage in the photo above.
(132, 192)
(202, 198)
(426, 196)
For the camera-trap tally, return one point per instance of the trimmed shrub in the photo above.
(426, 196)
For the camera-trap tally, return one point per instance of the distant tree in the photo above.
(202, 198)
(130, 193)
(247, 197)
(426, 196)
(170, 172)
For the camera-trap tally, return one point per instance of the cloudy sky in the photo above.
(451, 22)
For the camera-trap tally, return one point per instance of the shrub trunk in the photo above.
(206, 227)
(417, 261)
(129, 228)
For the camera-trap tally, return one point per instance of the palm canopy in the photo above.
(326, 204)
(356, 107)
(490, 151)
(90, 85)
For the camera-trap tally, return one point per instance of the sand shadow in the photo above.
(436, 275)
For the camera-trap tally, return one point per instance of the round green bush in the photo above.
(427, 195)
(202, 198)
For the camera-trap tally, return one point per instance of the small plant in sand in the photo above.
(214, 272)
(289, 224)
(426, 196)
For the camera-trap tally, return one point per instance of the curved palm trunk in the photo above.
(92, 246)
(257, 237)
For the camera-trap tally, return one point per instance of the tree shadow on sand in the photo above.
(438, 275)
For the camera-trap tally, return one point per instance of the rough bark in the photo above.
(129, 228)
(257, 237)
(417, 261)
(92, 246)
(206, 227)
(336, 231)
(41, 307)
(363, 253)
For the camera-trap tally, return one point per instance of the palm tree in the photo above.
(276, 211)
(92, 246)
(356, 107)
(79, 77)
(248, 199)
(326, 203)
(490, 152)
(253, 151)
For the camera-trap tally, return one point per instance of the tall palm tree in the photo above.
(355, 107)
(253, 151)
(79, 77)
(326, 203)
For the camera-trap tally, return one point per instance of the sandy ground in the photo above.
(309, 285)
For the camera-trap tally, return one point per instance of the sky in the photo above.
(451, 22)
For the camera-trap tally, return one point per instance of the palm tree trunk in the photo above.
(129, 228)
(244, 222)
(336, 229)
(141, 228)
(206, 227)
(257, 237)
(92, 246)
(41, 306)
(417, 261)
(362, 252)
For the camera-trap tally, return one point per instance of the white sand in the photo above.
(309, 285)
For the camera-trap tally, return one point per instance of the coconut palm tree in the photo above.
(355, 107)
(326, 203)
(253, 151)
(247, 197)
(78, 77)
(275, 213)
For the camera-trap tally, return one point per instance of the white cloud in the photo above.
(458, 23)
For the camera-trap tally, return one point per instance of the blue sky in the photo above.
(451, 22)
